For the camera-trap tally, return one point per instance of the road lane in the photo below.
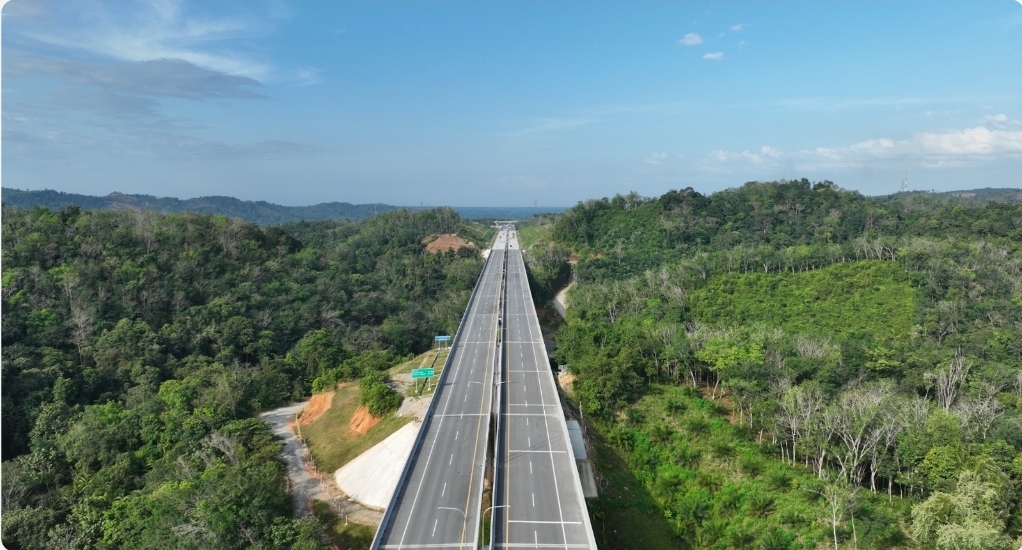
(438, 505)
(535, 472)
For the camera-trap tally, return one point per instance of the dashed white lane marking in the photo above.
(533, 500)
(444, 492)
(434, 526)
(451, 461)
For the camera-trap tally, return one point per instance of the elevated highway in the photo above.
(537, 498)
(438, 499)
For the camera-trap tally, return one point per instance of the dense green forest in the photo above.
(792, 365)
(137, 346)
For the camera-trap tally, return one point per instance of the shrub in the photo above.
(377, 396)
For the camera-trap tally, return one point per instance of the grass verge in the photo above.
(332, 443)
(342, 534)
(535, 234)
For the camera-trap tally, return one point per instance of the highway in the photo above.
(437, 503)
(537, 494)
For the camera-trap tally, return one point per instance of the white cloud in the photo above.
(765, 154)
(655, 158)
(943, 149)
(691, 39)
(543, 126)
(714, 56)
(156, 78)
(739, 26)
(149, 31)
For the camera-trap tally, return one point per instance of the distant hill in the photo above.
(971, 196)
(260, 212)
(505, 212)
(985, 195)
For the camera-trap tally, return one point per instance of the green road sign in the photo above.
(422, 373)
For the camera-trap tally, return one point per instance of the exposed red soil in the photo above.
(362, 421)
(440, 243)
(319, 404)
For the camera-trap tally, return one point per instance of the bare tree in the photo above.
(840, 499)
(856, 421)
(82, 326)
(949, 381)
(979, 412)
(810, 347)
(799, 405)
(228, 445)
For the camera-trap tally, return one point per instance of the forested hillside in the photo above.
(791, 365)
(260, 212)
(137, 346)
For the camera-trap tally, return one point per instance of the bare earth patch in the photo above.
(566, 382)
(319, 404)
(440, 243)
(362, 421)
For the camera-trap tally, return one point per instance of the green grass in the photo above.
(535, 234)
(625, 515)
(873, 297)
(434, 358)
(332, 443)
(343, 534)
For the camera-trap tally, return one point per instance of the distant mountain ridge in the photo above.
(972, 197)
(260, 212)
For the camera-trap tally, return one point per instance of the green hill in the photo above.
(259, 212)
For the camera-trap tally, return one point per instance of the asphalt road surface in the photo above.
(535, 473)
(440, 502)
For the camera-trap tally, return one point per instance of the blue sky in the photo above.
(504, 104)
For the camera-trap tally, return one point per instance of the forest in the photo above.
(260, 212)
(793, 365)
(137, 347)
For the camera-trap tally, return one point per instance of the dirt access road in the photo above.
(305, 482)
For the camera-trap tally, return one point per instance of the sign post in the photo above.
(422, 373)
(439, 339)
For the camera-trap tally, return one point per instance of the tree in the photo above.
(840, 499)
(967, 519)
(799, 406)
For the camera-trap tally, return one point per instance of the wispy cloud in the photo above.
(655, 158)
(740, 26)
(542, 126)
(117, 63)
(691, 39)
(942, 149)
(714, 56)
(147, 31)
(157, 77)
